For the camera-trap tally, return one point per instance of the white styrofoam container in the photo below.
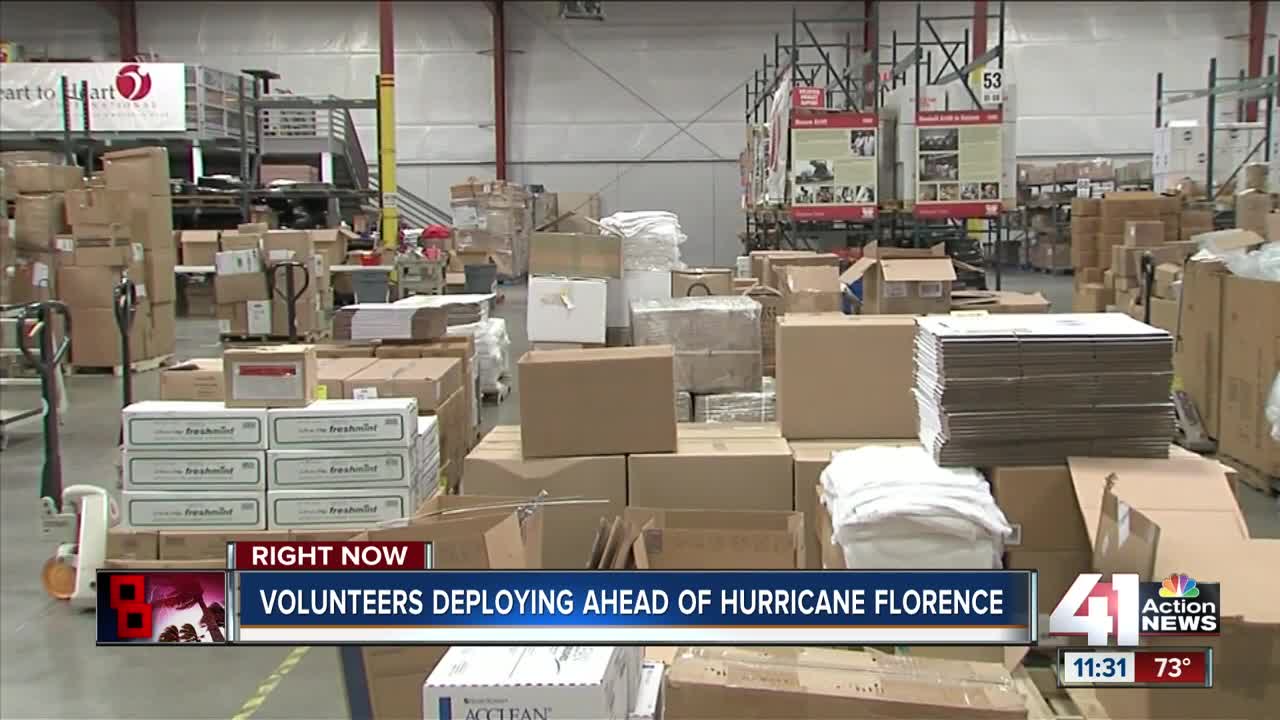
(342, 467)
(566, 310)
(635, 285)
(321, 509)
(181, 510)
(331, 423)
(202, 470)
(179, 424)
(512, 681)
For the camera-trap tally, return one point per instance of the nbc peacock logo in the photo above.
(1179, 586)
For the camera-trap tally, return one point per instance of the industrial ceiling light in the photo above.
(581, 10)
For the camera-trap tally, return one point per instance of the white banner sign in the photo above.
(123, 97)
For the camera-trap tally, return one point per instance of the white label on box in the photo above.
(139, 253)
(237, 262)
(992, 86)
(39, 275)
(267, 381)
(65, 244)
(306, 430)
(930, 289)
(165, 431)
(194, 510)
(157, 469)
(896, 290)
(259, 314)
(365, 393)
(336, 508)
(141, 289)
(341, 466)
(224, 326)
(280, 255)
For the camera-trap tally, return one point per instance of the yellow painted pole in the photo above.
(390, 225)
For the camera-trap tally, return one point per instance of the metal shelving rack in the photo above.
(1219, 87)
(847, 70)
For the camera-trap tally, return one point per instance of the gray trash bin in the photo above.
(481, 278)
(370, 286)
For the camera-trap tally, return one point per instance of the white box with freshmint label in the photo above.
(188, 425)
(331, 509)
(202, 470)
(185, 510)
(332, 423)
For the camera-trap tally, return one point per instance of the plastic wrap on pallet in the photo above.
(493, 217)
(894, 508)
(493, 350)
(651, 239)
(738, 407)
(716, 340)
(684, 406)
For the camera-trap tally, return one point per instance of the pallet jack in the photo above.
(290, 297)
(1189, 424)
(78, 516)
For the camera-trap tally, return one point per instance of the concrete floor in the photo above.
(48, 664)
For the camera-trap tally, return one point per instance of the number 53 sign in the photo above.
(992, 90)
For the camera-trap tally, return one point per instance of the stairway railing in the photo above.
(415, 209)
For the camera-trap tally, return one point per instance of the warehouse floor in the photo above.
(48, 667)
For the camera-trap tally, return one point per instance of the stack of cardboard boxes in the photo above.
(569, 286)
(491, 222)
(251, 280)
(39, 217)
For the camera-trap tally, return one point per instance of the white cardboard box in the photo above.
(648, 702)
(338, 509)
(529, 682)
(340, 467)
(200, 470)
(154, 509)
(332, 423)
(635, 285)
(179, 424)
(566, 310)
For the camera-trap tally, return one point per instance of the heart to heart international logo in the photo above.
(132, 83)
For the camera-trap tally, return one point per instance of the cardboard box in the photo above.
(716, 340)
(1085, 207)
(430, 381)
(566, 310)
(198, 379)
(714, 474)
(810, 289)
(329, 423)
(1252, 208)
(1166, 275)
(36, 220)
(815, 351)
(575, 255)
(760, 260)
(207, 470)
(95, 338)
(1164, 314)
(161, 282)
(570, 681)
(244, 318)
(93, 286)
(383, 321)
(352, 508)
(240, 277)
(1090, 297)
(143, 170)
(98, 213)
(1250, 361)
(1143, 233)
(771, 683)
(496, 467)
(774, 264)
(715, 539)
(898, 281)
(106, 253)
(38, 177)
(185, 509)
(152, 221)
(230, 241)
(810, 458)
(167, 425)
(570, 401)
(1082, 225)
(270, 376)
(1023, 493)
(164, 330)
(326, 351)
(692, 282)
(1198, 349)
(209, 545)
(770, 302)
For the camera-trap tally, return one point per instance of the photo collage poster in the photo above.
(959, 159)
(834, 166)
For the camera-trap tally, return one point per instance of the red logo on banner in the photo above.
(133, 613)
(132, 83)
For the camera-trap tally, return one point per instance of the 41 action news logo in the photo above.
(1128, 609)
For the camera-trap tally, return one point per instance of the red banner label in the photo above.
(330, 556)
(960, 117)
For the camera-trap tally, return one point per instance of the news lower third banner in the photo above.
(627, 607)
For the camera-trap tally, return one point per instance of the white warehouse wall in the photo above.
(1085, 74)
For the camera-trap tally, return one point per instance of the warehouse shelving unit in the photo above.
(1220, 88)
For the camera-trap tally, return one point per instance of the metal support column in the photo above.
(127, 25)
(498, 8)
(390, 223)
(1211, 125)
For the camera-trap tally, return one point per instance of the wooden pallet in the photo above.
(1253, 477)
(311, 337)
(137, 366)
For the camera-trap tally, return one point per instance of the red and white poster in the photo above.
(808, 98)
(959, 162)
(834, 166)
(123, 97)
